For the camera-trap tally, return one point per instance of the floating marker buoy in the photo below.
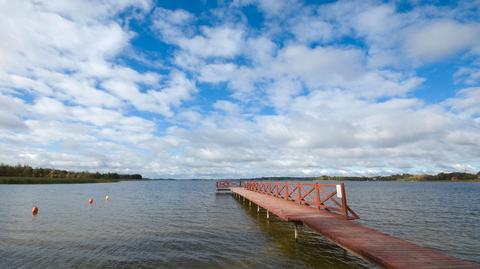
(34, 210)
(107, 197)
(90, 200)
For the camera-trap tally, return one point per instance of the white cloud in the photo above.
(59, 46)
(468, 75)
(307, 30)
(219, 41)
(336, 119)
(467, 102)
(227, 106)
(282, 91)
(321, 64)
(260, 50)
(172, 24)
(50, 51)
(439, 39)
(161, 99)
(288, 98)
(323, 132)
(418, 36)
(345, 68)
(271, 8)
(178, 89)
(215, 73)
(11, 109)
(62, 56)
(240, 79)
(11, 121)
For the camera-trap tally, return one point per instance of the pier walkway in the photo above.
(323, 208)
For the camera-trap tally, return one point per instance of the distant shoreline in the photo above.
(24, 174)
(410, 180)
(46, 180)
(441, 177)
(369, 180)
(42, 180)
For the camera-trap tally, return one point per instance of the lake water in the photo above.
(184, 224)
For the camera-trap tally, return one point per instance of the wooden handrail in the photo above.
(321, 196)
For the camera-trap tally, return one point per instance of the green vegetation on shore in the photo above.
(46, 180)
(24, 174)
(454, 176)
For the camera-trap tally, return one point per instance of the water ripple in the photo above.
(184, 224)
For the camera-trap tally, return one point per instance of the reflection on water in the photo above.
(440, 215)
(311, 250)
(184, 224)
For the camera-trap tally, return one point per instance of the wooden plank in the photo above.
(375, 246)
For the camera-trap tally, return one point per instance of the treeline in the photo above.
(454, 176)
(28, 171)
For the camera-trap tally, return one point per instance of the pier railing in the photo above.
(330, 197)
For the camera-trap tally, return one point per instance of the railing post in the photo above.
(344, 201)
(287, 192)
(317, 195)
(299, 193)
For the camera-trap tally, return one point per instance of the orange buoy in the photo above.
(90, 200)
(34, 210)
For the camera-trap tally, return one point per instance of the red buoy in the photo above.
(34, 210)
(90, 200)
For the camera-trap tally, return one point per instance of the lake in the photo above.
(184, 224)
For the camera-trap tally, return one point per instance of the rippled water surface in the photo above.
(184, 224)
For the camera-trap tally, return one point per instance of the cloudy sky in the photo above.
(240, 88)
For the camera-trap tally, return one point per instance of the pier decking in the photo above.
(334, 222)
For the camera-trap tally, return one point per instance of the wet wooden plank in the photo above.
(373, 245)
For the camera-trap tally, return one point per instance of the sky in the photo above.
(242, 88)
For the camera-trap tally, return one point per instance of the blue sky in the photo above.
(241, 88)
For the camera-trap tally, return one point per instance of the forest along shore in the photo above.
(24, 174)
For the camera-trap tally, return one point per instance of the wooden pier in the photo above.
(323, 208)
(226, 185)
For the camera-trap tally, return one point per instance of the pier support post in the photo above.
(258, 208)
(249, 203)
(268, 214)
(296, 233)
